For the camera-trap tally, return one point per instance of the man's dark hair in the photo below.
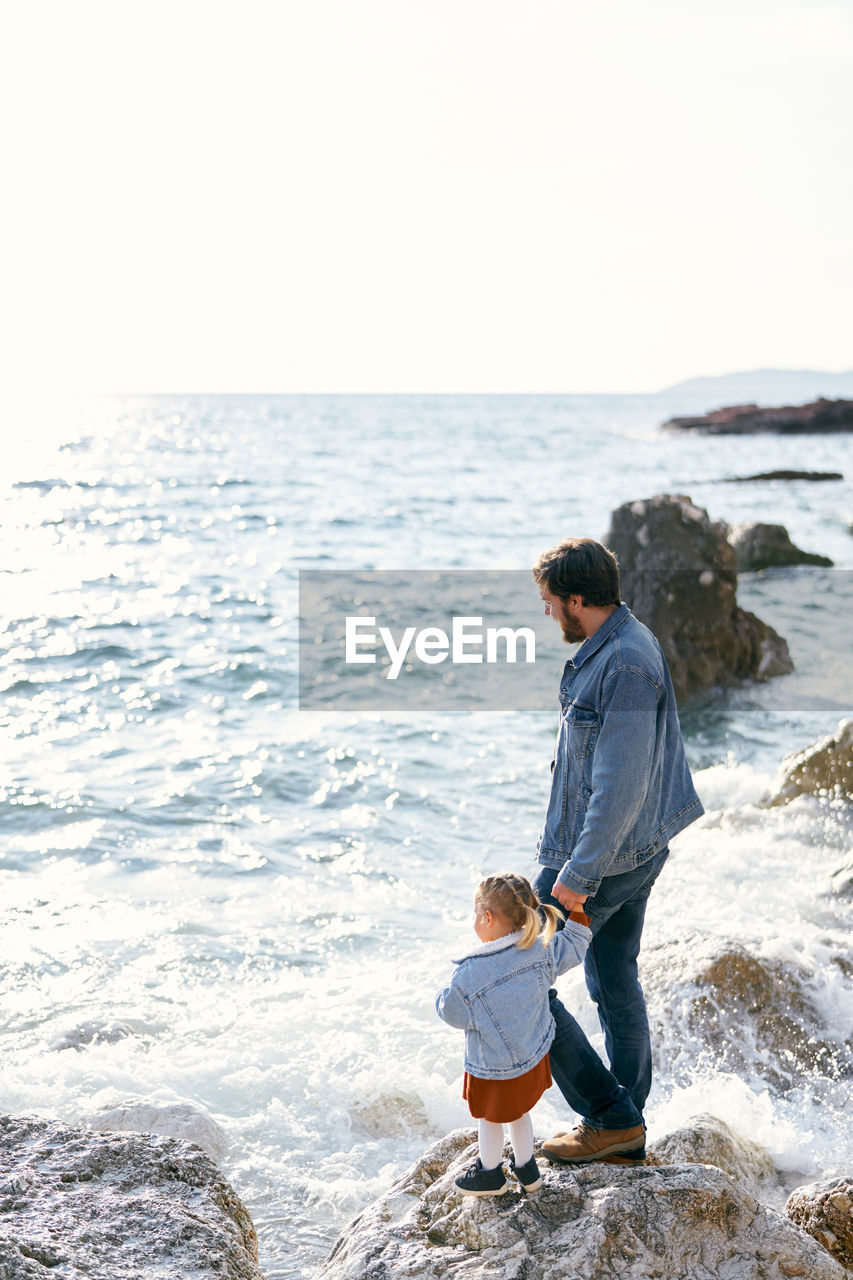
(580, 567)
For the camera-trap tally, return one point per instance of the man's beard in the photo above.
(572, 633)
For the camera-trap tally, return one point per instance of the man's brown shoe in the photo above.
(584, 1144)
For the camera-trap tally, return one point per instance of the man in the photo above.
(620, 790)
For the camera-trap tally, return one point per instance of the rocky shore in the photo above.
(85, 1205)
(689, 1213)
(98, 1204)
(742, 419)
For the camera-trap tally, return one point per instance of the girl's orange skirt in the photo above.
(502, 1101)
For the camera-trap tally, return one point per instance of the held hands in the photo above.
(566, 897)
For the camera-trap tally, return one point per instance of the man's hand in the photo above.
(567, 897)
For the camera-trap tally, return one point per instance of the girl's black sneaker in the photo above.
(478, 1181)
(527, 1174)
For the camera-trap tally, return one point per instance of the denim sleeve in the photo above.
(568, 947)
(621, 767)
(452, 1007)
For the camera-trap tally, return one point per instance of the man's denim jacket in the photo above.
(620, 786)
(499, 996)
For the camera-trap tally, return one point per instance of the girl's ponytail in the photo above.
(553, 916)
(530, 928)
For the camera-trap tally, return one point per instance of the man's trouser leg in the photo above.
(582, 1078)
(605, 1099)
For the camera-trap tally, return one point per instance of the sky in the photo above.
(423, 195)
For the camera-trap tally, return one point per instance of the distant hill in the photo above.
(769, 386)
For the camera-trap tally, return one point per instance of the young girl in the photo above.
(499, 996)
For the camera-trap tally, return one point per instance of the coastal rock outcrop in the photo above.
(116, 1207)
(818, 416)
(787, 475)
(823, 769)
(674, 1222)
(768, 546)
(771, 998)
(167, 1119)
(709, 1140)
(752, 1014)
(825, 1210)
(679, 575)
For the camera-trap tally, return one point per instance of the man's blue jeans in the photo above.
(605, 1099)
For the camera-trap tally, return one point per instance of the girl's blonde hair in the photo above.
(512, 897)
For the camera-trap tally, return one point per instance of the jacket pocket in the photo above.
(581, 731)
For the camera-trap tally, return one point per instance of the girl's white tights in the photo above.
(492, 1141)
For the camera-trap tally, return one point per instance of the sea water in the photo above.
(210, 898)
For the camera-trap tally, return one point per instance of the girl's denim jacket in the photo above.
(620, 784)
(499, 996)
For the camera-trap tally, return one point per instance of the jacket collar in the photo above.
(594, 642)
(489, 948)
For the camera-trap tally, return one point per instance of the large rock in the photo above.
(823, 769)
(677, 1222)
(168, 1119)
(825, 1210)
(751, 1014)
(116, 1207)
(679, 575)
(768, 546)
(818, 416)
(709, 1140)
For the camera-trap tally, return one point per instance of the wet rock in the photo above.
(682, 1222)
(787, 475)
(391, 1115)
(168, 1119)
(771, 997)
(841, 882)
(746, 419)
(825, 1210)
(679, 576)
(753, 1016)
(824, 769)
(768, 546)
(91, 1032)
(116, 1207)
(709, 1140)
